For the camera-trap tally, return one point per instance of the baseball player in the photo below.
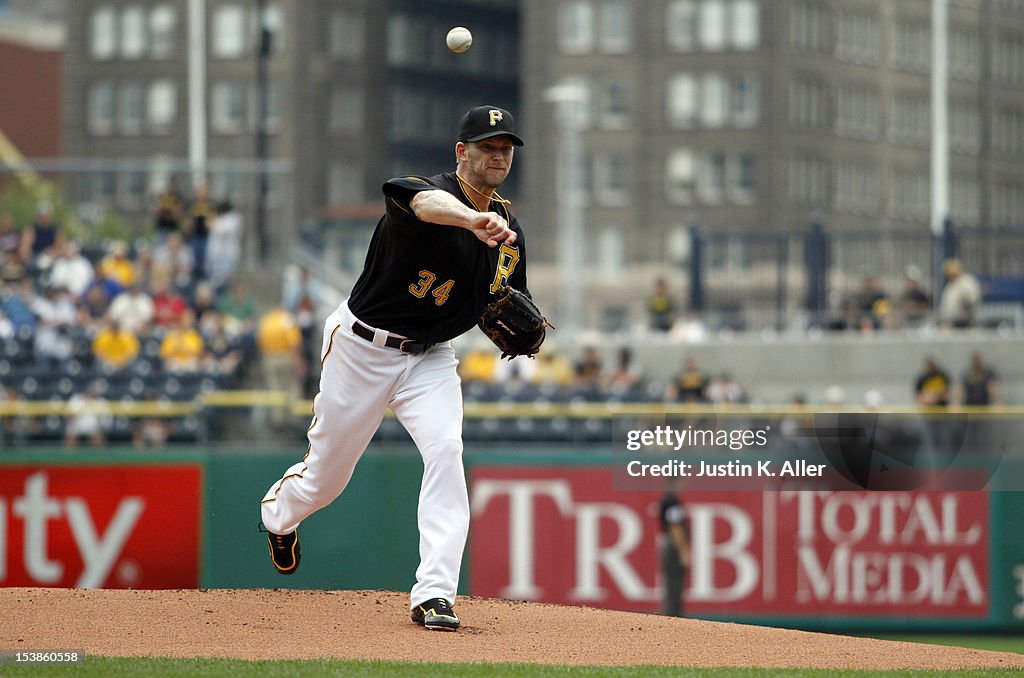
(675, 551)
(443, 249)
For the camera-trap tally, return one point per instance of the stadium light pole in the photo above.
(570, 97)
(940, 136)
(197, 89)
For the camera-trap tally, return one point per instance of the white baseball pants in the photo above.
(358, 381)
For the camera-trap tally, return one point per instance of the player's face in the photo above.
(487, 162)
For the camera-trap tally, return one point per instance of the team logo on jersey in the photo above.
(495, 116)
(508, 257)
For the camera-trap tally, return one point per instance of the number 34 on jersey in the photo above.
(508, 257)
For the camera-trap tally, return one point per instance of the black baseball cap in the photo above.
(484, 122)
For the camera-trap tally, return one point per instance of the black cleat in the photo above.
(436, 614)
(284, 551)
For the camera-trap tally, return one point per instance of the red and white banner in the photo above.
(563, 535)
(100, 526)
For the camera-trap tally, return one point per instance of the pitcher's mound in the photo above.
(287, 624)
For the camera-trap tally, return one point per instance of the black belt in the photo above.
(410, 346)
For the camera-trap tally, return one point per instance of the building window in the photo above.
(681, 25)
(682, 100)
(610, 180)
(911, 46)
(131, 110)
(163, 26)
(229, 37)
(132, 190)
(614, 105)
(746, 27)
(712, 25)
(711, 178)
(858, 112)
(964, 127)
(744, 100)
(228, 108)
(857, 188)
(611, 250)
(964, 54)
(103, 33)
(714, 100)
(406, 107)
(162, 107)
(133, 32)
(576, 27)
(858, 38)
(616, 27)
(344, 183)
(345, 35)
(103, 187)
(740, 175)
(406, 44)
(346, 113)
(909, 196)
(808, 103)
(101, 108)
(910, 123)
(808, 181)
(810, 27)
(680, 173)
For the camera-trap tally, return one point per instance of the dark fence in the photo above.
(809, 277)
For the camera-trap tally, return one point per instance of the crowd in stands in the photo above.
(162, 317)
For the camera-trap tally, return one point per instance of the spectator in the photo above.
(932, 385)
(478, 365)
(182, 347)
(55, 314)
(958, 304)
(167, 215)
(305, 285)
(626, 376)
(173, 261)
(200, 217)
(88, 416)
(116, 267)
(225, 245)
(114, 347)
(280, 343)
(12, 268)
(305, 318)
(979, 384)
(690, 386)
(17, 303)
(915, 303)
(552, 368)
(588, 371)
(71, 270)
(168, 305)
(94, 304)
(223, 353)
(151, 431)
(661, 308)
(872, 303)
(40, 243)
(724, 390)
(204, 300)
(133, 309)
(10, 236)
(6, 327)
(238, 308)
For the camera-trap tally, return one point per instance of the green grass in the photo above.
(997, 643)
(102, 667)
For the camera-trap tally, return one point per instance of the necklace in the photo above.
(496, 198)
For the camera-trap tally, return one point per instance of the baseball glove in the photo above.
(514, 323)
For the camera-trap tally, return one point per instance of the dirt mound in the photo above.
(286, 624)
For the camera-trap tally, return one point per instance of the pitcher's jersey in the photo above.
(428, 281)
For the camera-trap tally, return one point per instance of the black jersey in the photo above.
(427, 281)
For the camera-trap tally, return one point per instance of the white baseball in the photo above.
(459, 39)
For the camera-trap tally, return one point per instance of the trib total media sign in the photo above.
(563, 535)
(100, 526)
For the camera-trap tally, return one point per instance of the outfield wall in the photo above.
(548, 526)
